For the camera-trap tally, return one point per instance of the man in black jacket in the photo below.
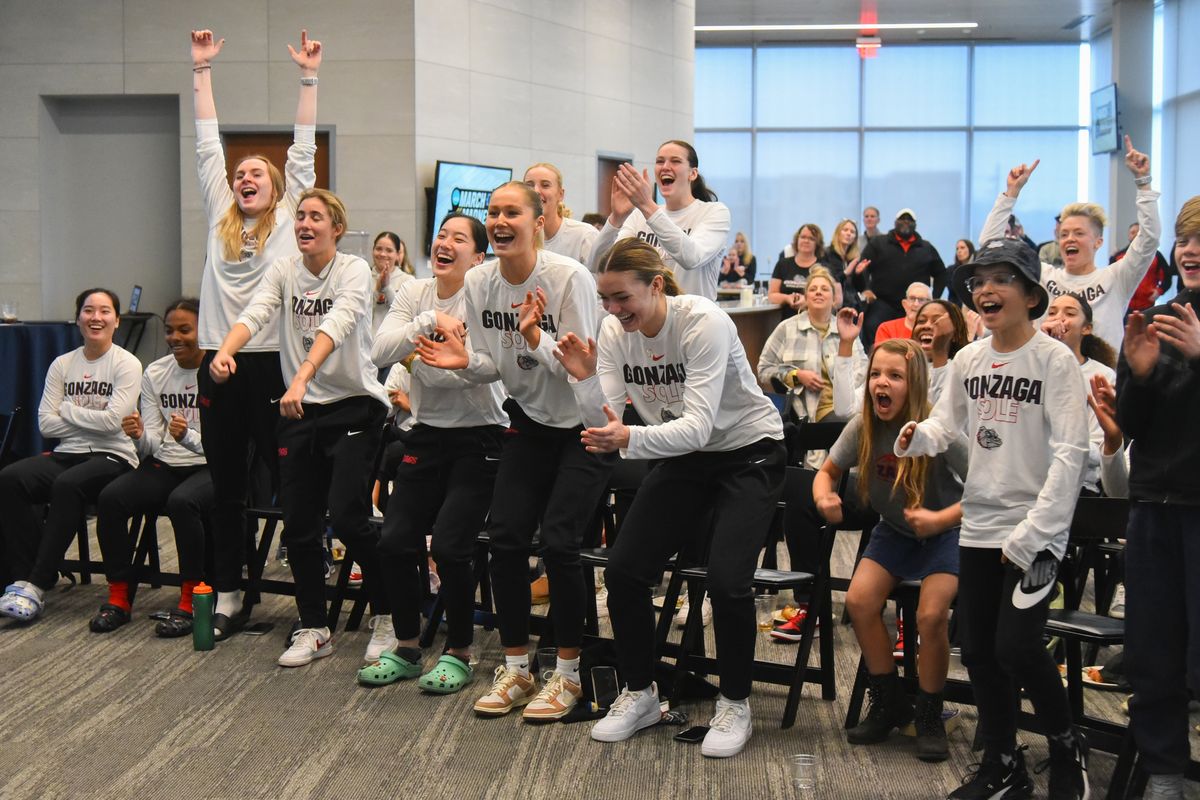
(898, 258)
(1158, 406)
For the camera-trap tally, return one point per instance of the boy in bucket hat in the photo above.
(1019, 398)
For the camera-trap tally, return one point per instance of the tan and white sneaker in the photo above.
(555, 700)
(510, 689)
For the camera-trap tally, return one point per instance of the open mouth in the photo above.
(249, 191)
(666, 179)
(989, 307)
(883, 401)
(444, 258)
(1190, 268)
(925, 339)
(503, 237)
(305, 236)
(1071, 250)
(626, 319)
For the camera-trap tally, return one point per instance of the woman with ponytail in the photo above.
(917, 539)
(717, 447)
(563, 235)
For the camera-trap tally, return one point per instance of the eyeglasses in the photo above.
(920, 301)
(976, 283)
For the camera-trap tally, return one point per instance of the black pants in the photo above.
(67, 482)
(443, 485)
(738, 490)
(876, 314)
(184, 494)
(238, 420)
(1162, 611)
(544, 474)
(1003, 651)
(325, 462)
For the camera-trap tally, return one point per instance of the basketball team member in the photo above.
(443, 481)
(689, 230)
(516, 307)
(563, 235)
(332, 411)
(249, 226)
(717, 443)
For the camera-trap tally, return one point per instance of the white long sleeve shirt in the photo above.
(167, 389)
(379, 308)
(691, 242)
(533, 378)
(1108, 289)
(573, 240)
(691, 384)
(439, 398)
(1092, 469)
(1024, 417)
(83, 402)
(337, 302)
(227, 286)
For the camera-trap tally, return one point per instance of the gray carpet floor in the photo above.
(128, 715)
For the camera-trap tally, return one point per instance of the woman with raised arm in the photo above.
(249, 226)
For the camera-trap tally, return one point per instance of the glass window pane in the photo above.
(935, 78)
(723, 87)
(725, 165)
(1052, 186)
(922, 171)
(807, 87)
(1019, 85)
(801, 178)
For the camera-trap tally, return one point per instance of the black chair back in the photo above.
(9, 423)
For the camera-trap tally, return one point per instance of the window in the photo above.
(723, 81)
(916, 87)
(806, 87)
(725, 165)
(924, 171)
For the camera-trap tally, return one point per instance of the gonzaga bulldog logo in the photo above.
(526, 362)
(987, 438)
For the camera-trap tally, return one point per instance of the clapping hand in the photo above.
(577, 358)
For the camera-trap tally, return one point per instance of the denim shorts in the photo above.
(912, 559)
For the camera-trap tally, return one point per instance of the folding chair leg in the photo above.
(857, 695)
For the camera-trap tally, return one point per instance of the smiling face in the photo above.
(1002, 300)
(385, 254)
(179, 329)
(252, 187)
(638, 306)
(512, 225)
(933, 325)
(672, 171)
(887, 381)
(1066, 321)
(806, 244)
(1078, 241)
(97, 319)
(905, 225)
(454, 250)
(1187, 256)
(316, 233)
(818, 293)
(545, 183)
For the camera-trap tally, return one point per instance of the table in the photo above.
(26, 351)
(754, 325)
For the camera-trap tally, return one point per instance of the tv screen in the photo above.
(1106, 135)
(464, 187)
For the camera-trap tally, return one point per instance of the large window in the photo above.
(789, 135)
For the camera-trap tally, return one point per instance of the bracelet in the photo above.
(308, 80)
(1143, 181)
(202, 67)
(311, 364)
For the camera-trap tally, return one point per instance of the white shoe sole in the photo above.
(500, 712)
(619, 736)
(324, 651)
(725, 752)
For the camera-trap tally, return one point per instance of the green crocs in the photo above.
(448, 675)
(388, 669)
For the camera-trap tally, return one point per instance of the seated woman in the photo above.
(173, 477)
(917, 539)
(88, 392)
(740, 266)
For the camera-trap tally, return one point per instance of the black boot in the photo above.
(889, 709)
(931, 730)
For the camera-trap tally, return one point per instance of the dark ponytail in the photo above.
(1092, 346)
(700, 189)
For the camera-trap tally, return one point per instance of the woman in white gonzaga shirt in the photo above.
(332, 411)
(717, 442)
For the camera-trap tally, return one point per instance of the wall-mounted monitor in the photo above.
(463, 187)
(1105, 132)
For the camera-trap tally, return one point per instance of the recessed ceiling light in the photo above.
(839, 26)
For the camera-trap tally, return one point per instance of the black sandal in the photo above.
(108, 619)
(178, 623)
(225, 626)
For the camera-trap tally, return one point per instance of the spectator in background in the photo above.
(964, 251)
(740, 265)
(1157, 280)
(916, 296)
(391, 269)
(870, 227)
(898, 258)
(1016, 230)
(1048, 252)
(791, 272)
(594, 219)
(842, 258)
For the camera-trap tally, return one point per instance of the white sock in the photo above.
(568, 668)
(229, 603)
(518, 664)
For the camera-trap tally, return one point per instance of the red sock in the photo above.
(185, 595)
(118, 594)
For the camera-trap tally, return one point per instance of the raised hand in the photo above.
(1183, 331)
(529, 317)
(1137, 162)
(858, 265)
(1056, 328)
(849, 324)
(177, 427)
(577, 358)
(1141, 345)
(609, 439)
(1103, 402)
(205, 48)
(621, 205)
(308, 57)
(974, 323)
(1018, 176)
(132, 425)
(450, 353)
(638, 187)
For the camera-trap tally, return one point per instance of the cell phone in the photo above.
(258, 628)
(692, 735)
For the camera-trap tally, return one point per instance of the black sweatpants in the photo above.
(739, 489)
(544, 475)
(1003, 651)
(875, 315)
(443, 485)
(1162, 615)
(67, 482)
(238, 420)
(184, 494)
(325, 462)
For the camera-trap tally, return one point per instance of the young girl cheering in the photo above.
(1018, 396)
(717, 445)
(444, 476)
(689, 230)
(516, 306)
(917, 539)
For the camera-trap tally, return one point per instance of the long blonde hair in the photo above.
(911, 473)
(232, 225)
(850, 253)
(563, 210)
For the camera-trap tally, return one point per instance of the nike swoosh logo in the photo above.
(998, 366)
(276, 399)
(87, 377)
(489, 458)
(310, 294)
(657, 358)
(516, 305)
(353, 433)
(761, 460)
(189, 388)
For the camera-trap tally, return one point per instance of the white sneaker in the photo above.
(729, 729)
(383, 637)
(602, 603)
(1117, 609)
(356, 577)
(307, 644)
(705, 613)
(629, 713)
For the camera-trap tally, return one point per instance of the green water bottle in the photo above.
(203, 600)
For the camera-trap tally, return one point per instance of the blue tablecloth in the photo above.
(26, 350)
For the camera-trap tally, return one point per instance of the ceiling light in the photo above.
(839, 26)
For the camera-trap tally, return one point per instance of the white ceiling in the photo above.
(999, 20)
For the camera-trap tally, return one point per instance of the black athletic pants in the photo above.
(738, 491)
(184, 494)
(238, 420)
(67, 482)
(1003, 651)
(442, 485)
(325, 462)
(544, 475)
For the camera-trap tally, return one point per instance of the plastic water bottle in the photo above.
(203, 600)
